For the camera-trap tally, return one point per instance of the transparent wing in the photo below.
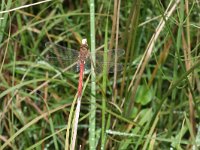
(110, 66)
(110, 63)
(111, 55)
(100, 66)
(63, 57)
(60, 56)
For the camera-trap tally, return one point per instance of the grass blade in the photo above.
(92, 119)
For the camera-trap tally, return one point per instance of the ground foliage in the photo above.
(154, 104)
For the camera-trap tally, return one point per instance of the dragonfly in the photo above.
(62, 57)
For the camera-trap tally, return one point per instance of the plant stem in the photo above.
(92, 141)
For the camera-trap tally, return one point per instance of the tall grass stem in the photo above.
(92, 119)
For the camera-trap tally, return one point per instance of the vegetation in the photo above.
(152, 103)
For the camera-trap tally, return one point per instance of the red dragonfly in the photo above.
(63, 57)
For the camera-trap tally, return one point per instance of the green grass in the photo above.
(153, 103)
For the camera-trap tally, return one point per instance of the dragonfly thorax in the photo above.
(84, 53)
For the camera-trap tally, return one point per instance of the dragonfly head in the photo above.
(84, 41)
